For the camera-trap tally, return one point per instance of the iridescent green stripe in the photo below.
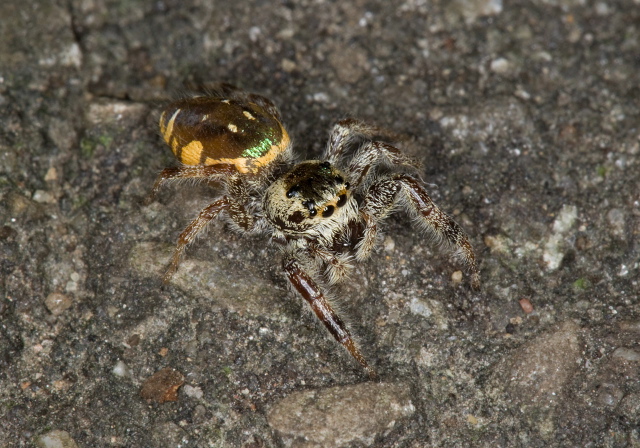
(259, 150)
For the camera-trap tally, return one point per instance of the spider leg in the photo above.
(347, 131)
(189, 234)
(343, 134)
(337, 265)
(311, 292)
(213, 172)
(373, 154)
(233, 204)
(407, 191)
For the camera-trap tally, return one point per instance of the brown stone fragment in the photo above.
(526, 306)
(162, 386)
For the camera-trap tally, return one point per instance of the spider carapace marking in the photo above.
(309, 200)
(326, 214)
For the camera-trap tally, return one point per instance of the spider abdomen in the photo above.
(213, 130)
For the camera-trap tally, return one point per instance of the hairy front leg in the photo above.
(343, 134)
(407, 191)
(311, 292)
(373, 154)
(337, 265)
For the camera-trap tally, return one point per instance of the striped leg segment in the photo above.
(311, 292)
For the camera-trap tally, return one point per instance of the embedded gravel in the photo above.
(525, 118)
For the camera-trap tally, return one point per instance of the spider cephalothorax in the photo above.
(308, 199)
(326, 213)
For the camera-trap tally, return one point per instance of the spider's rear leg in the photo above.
(233, 204)
(407, 191)
(211, 172)
(189, 234)
(311, 292)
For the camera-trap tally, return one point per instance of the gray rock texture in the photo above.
(525, 117)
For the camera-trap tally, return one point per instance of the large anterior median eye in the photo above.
(328, 211)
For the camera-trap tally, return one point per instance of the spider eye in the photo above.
(293, 191)
(347, 185)
(311, 206)
(328, 211)
(325, 165)
(342, 200)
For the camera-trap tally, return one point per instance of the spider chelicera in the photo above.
(324, 213)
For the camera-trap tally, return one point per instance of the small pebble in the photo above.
(609, 394)
(626, 354)
(500, 66)
(194, 392)
(43, 197)
(58, 303)
(52, 174)
(526, 306)
(162, 386)
(56, 439)
(121, 369)
(388, 244)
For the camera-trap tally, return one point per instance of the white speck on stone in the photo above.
(420, 307)
(616, 219)
(254, 33)
(543, 56)
(194, 392)
(288, 65)
(566, 219)
(602, 9)
(554, 248)
(522, 94)
(71, 56)
(472, 10)
(71, 286)
(43, 197)
(627, 354)
(624, 270)
(365, 19)
(56, 439)
(121, 370)
(320, 97)
(389, 245)
(500, 66)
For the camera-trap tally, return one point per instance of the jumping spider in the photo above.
(325, 213)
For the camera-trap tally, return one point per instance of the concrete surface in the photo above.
(525, 116)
